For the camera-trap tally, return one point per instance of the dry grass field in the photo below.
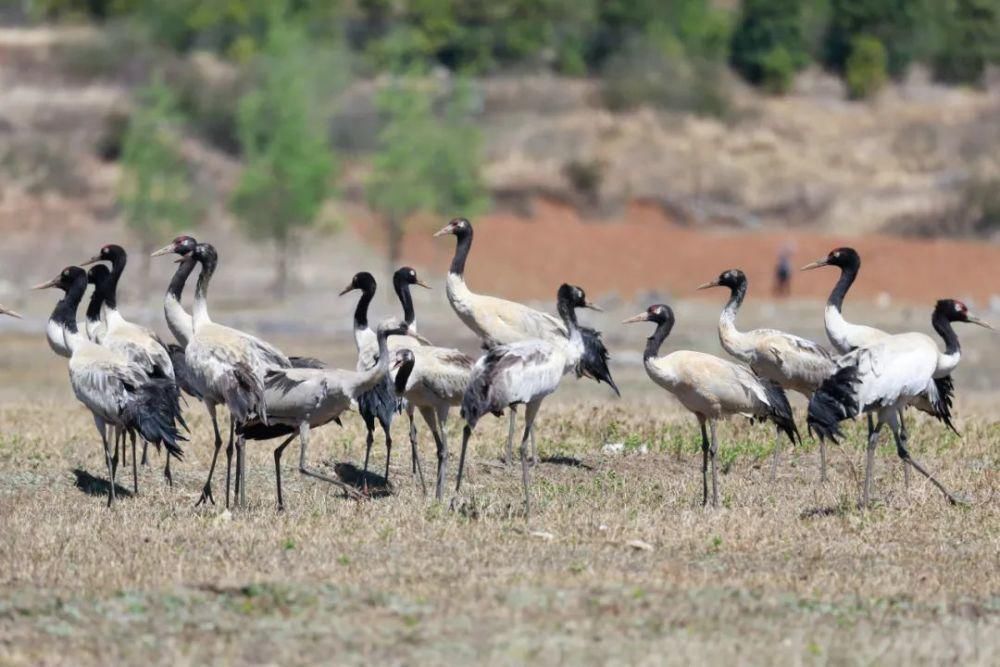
(618, 564)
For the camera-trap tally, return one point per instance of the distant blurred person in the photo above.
(783, 271)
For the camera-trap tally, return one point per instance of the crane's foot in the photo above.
(169, 477)
(206, 494)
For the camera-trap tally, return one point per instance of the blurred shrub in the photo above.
(768, 45)
(865, 72)
(586, 178)
(971, 40)
(660, 75)
(908, 29)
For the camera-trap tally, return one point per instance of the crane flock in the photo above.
(132, 381)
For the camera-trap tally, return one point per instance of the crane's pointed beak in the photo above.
(814, 265)
(7, 311)
(444, 230)
(93, 260)
(593, 306)
(346, 290)
(972, 319)
(165, 250)
(422, 284)
(46, 285)
(714, 283)
(641, 317)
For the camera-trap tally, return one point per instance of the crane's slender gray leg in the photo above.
(442, 449)
(414, 454)
(103, 430)
(509, 454)
(466, 434)
(442, 427)
(704, 462)
(166, 471)
(387, 428)
(241, 449)
(714, 450)
(905, 456)
(145, 456)
(905, 437)
(119, 435)
(534, 449)
(822, 460)
(777, 455)
(530, 412)
(229, 459)
(135, 469)
(870, 462)
(304, 438)
(206, 491)
(369, 440)
(277, 468)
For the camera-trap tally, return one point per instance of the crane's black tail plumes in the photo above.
(780, 411)
(834, 402)
(945, 396)
(476, 400)
(594, 362)
(306, 362)
(154, 412)
(380, 402)
(182, 374)
(257, 430)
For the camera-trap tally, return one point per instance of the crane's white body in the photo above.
(439, 377)
(136, 342)
(791, 361)
(707, 385)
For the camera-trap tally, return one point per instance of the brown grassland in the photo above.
(618, 564)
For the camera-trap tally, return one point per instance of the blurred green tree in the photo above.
(865, 73)
(424, 163)
(908, 29)
(768, 44)
(971, 41)
(156, 192)
(289, 166)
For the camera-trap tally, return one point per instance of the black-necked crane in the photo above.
(229, 366)
(136, 342)
(793, 362)
(433, 379)
(847, 337)
(499, 321)
(886, 376)
(98, 275)
(523, 373)
(379, 403)
(712, 389)
(116, 390)
(300, 399)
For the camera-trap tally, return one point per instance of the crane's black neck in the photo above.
(64, 313)
(96, 300)
(462, 247)
(209, 260)
(848, 274)
(567, 313)
(361, 312)
(403, 375)
(736, 296)
(179, 279)
(118, 262)
(654, 342)
(943, 326)
(402, 288)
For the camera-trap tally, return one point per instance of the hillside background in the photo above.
(631, 145)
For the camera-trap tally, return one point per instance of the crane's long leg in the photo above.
(870, 462)
(534, 449)
(905, 456)
(777, 455)
(530, 412)
(103, 430)
(135, 469)
(241, 449)
(466, 434)
(166, 471)
(822, 460)
(704, 462)
(442, 448)
(145, 456)
(414, 454)
(119, 435)
(386, 429)
(905, 437)
(277, 468)
(442, 427)
(714, 450)
(509, 454)
(206, 491)
(369, 440)
(304, 438)
(229, 458)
